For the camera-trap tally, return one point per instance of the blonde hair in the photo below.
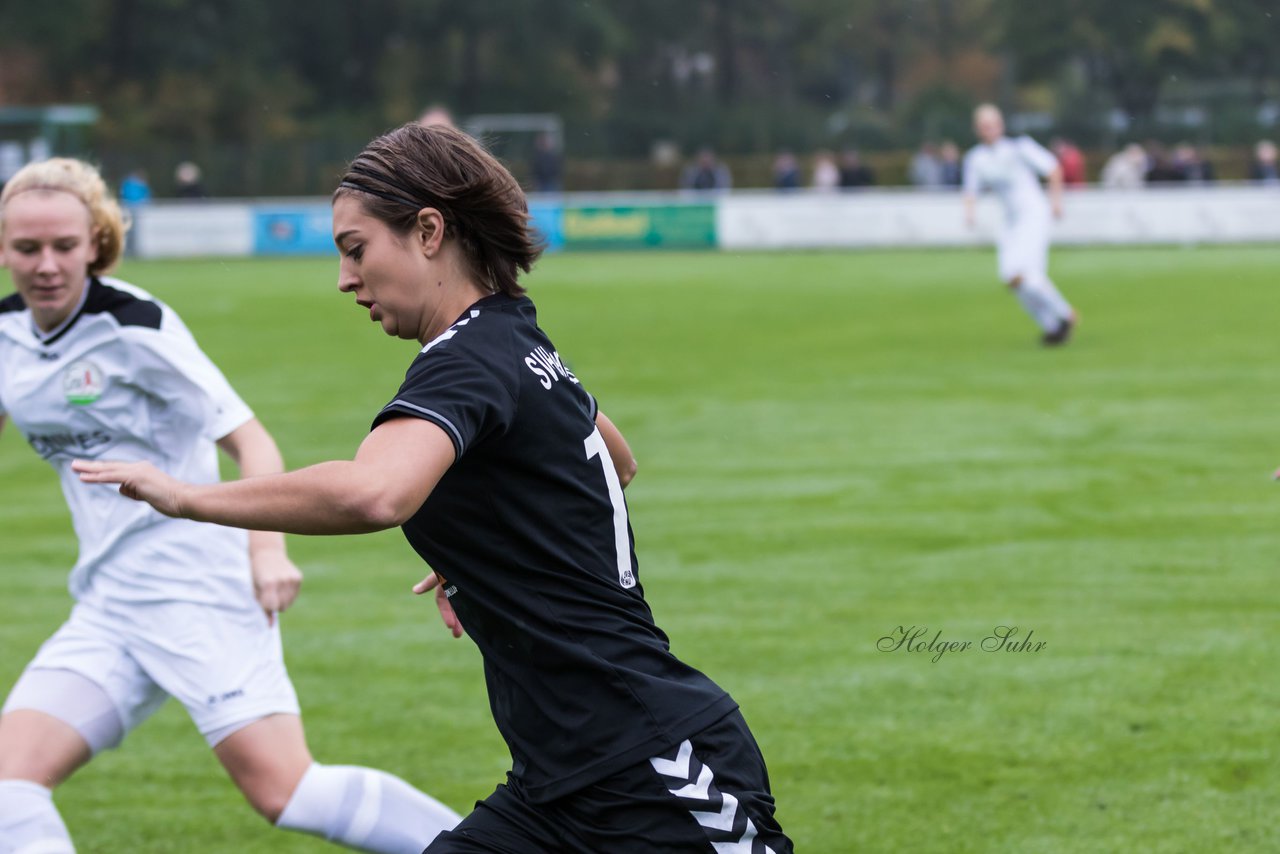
(107, 221)
(987, 109)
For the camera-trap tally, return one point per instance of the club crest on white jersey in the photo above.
(82, 383)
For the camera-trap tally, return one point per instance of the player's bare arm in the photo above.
(276, 580)
(393, 472)
(619, 451)
(1055, 191)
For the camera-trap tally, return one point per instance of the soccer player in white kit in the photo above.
(1012, 169)
(92, 366)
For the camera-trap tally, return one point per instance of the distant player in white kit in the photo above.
(89, 366)
(1012, 169)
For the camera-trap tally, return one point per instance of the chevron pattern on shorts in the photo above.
(728, 827)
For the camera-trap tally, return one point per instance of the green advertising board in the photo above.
(663, 226)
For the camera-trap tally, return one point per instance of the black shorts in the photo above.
(710, 788)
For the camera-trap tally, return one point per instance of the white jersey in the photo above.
(123, 379)
(1011, 168)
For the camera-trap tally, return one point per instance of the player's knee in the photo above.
(39, 749)
(1014, 282)
(267, 759)
(32, 770)
(268, 794)
(269, 801)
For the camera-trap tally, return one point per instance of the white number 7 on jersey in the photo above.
(621, 542)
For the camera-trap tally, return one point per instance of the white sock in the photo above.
(366, 809)
(1053, 299)
(29, 822)
(1033, 299)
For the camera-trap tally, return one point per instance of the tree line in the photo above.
(275, 93)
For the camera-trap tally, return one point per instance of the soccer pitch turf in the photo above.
(831, 446)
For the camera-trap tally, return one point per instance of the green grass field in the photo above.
(831, 446)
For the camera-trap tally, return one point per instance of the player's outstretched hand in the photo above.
(139, 481)
(276, 581)
(435, 582)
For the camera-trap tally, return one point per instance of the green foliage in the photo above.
(940, 112)
(1135, 50)
(231, 81)
(830, 445)
(237, 84)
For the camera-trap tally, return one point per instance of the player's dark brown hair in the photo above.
(438, 166)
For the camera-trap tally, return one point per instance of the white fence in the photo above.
(766, 220)
(1183, 215)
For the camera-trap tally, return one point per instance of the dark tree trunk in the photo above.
(726, 55)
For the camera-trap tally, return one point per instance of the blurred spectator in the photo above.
(39, 149)
(786, 171)
(1160, 166)
(134, 189)
(1264, 167)
(706, 173)
(926, 166)
(853, 172)
(12, 158)
(1126, 169)
(548, 164)
(436, 114)
(134, 193)
(952, 170)
(187, 181)
(826, 175)
(1191, 165)
(1071, 159)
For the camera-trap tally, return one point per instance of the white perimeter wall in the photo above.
(807, 220)
(913, 218)
(175, 230)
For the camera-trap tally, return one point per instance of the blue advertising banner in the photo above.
(306, 229)
(299, 230)
(548, 219)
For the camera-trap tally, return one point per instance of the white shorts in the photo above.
(1022, 249)
(225, 665)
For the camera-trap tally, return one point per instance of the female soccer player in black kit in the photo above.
(507, 479)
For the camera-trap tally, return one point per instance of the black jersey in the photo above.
(529, 527)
